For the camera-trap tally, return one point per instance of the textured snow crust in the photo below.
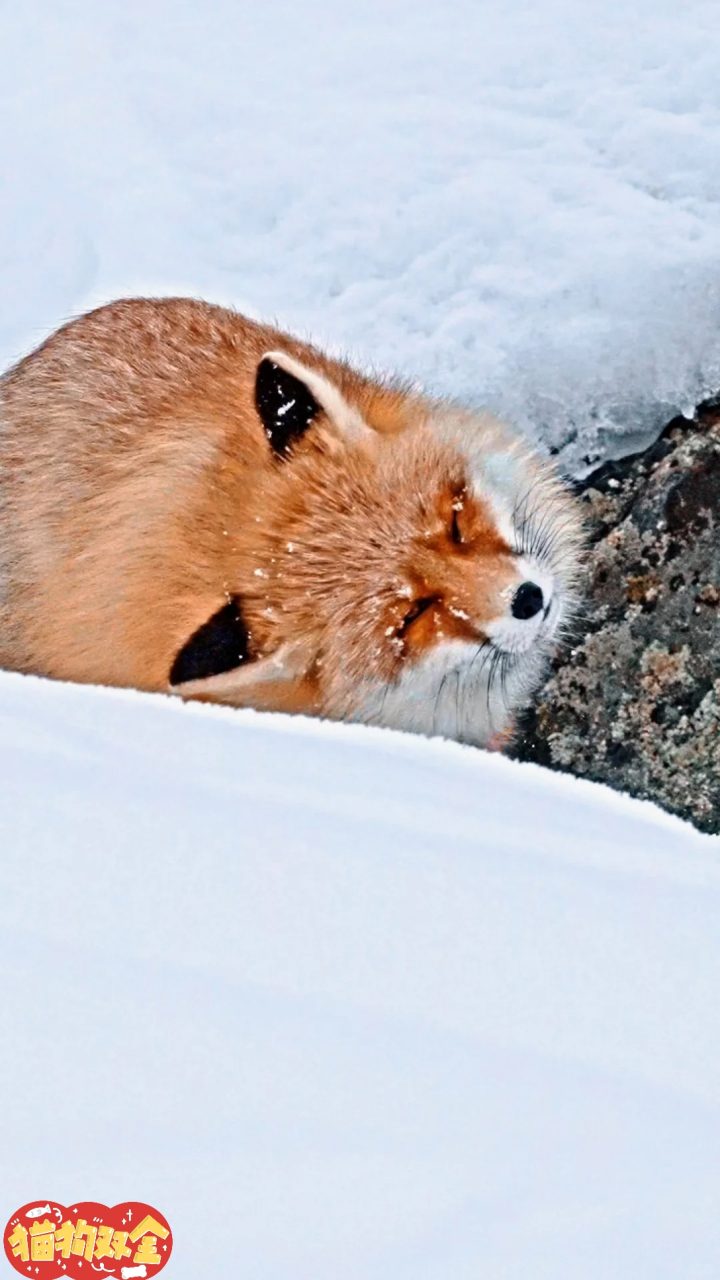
(516, 203)
(341, 1002)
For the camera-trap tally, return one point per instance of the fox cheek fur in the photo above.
(198, 504)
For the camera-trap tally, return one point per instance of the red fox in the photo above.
(195, 503)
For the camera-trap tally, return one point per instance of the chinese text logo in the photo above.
(45, 1241)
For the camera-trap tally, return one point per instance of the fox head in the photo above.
(417, 578)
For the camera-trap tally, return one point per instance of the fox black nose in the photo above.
(527, 601)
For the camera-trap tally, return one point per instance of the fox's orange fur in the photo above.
(139, 493)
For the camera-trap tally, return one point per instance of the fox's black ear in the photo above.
(220, 644)
(286, 406)
(289, 395)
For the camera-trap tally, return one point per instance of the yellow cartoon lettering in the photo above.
(18, 1241)
(147, 1252)
(111, 1244)
(149, 1224)
(79, 1245)
(64, 1238)
(42, 1241)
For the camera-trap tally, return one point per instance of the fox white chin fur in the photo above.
(197, 504)
(471, 692)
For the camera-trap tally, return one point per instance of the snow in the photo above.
(360, 1003)
(340, 1002)
(515, 203)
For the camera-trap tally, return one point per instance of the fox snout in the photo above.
(500, 598)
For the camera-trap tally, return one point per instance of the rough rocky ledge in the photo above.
(634, 700)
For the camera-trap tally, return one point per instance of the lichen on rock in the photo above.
(634, 701)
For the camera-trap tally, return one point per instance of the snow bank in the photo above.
(516, 202)
(358, 1004)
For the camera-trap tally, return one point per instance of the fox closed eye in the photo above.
(415, 611)
(459, 517)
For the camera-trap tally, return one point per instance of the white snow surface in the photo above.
(345, 1003)
(516, 203)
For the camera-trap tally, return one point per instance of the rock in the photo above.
(634, 700)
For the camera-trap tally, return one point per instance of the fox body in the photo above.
(195, 503)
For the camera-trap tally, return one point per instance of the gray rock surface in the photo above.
(634, 699)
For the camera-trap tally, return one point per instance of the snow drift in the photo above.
(516, 203)
(344, 1002)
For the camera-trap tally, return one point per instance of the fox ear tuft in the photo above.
(290, 395)
(285, 403)
(277, 682)
(220, 644)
